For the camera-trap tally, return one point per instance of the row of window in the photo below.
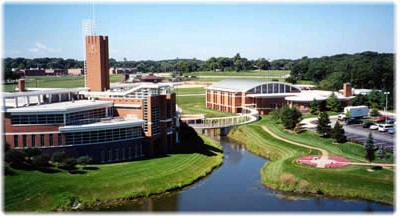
(100, 136)
(272, 88)
(134, 152)
(81, 117)
(38, 119)
(33, 140)
(86, 117)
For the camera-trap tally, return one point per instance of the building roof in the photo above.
(61, 107)
(110, 124)
(41, 91)
(235, 85)
(319, 95)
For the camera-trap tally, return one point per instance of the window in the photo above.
(42, 140)
(50, 139)
(15, 141)
(24, 141)
(59, 139)
(33, 141)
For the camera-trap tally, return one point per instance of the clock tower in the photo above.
(97, 63)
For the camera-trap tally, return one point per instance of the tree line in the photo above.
(370, 70)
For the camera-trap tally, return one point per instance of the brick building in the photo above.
(231, 95)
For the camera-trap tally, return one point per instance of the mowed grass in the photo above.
(185, 91)
(37, 191)
(283, 173)
(266, 73)
(55, 82)
(216, 79)
(196, 105)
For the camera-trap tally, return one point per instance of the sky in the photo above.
(169, 31)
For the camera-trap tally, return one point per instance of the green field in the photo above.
(185, 91)
(55, 82)
(283, 173)
(267, 73)
(39, 191)
(196, 105)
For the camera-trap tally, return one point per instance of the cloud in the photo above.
(42, 48)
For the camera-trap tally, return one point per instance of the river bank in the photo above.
(284, 174)
(42, 192)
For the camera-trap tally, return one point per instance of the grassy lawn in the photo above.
(55, 82)
(266, 73)
(38, 191)
(283, 173)
(216, 79)
(196, 105)
(196, 90)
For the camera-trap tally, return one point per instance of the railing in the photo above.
(247, 116)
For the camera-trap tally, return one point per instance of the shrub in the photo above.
(31, 152)
(58, 157)
(15, 158)
(84, 160)
(288, 179)
(303, 185)
(41, 161)
(69, 163)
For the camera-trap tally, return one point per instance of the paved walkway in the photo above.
(324, 158)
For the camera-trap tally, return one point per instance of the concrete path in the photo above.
(324, 158)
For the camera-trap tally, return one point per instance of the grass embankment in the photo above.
(309, 115)
(283, 173)
(38, 191)
(54, 82)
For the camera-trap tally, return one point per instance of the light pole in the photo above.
(386, 93)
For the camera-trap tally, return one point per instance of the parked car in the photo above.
(374, 127)
(382, 118)
(390, 121)
(391, 130)
(384, 127)
(368, 124)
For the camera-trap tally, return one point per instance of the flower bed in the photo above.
(331, 162)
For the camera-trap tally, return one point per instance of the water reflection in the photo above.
(236, 186)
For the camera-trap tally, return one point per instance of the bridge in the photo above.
(198, 121)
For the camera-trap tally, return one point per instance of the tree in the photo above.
(291, 79)
(84, 160)
(290, 117)
(333, 103)
(381, 152)
(375, 113)
(370, 148)
(41, 161)
(323, 124)
(314, 107)
(338, 133)
(58, 157)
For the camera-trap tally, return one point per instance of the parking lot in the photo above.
(359, 134)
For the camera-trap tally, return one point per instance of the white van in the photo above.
(384, 127)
